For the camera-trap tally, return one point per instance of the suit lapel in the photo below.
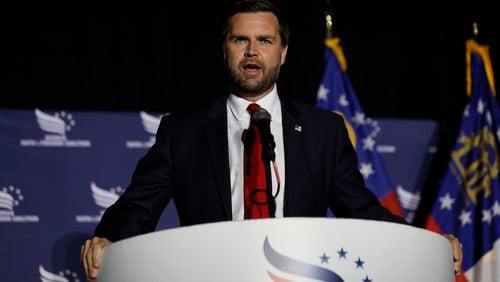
(293, 144)
(216, 130)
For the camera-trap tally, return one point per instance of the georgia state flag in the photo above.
(468, 202)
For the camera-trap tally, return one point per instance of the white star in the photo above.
(446, 201)
(343, 101)
(496, 208)
(480, 106)
(487, 216)
(359, 118)
(366, 170)
(368, 143)
(323, 93)
(466, 111)
(465, 217)
(488, 117)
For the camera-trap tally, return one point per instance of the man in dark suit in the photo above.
(197, 159)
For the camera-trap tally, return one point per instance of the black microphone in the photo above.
(262, 119)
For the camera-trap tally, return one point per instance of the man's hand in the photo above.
(91, 256)
(458, 254)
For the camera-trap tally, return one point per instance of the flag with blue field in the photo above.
(337, 94)
(468, 201)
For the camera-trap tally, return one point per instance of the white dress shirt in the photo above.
(238, 119)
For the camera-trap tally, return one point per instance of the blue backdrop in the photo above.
(59, 170)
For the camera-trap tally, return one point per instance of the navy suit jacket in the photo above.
(189, 163)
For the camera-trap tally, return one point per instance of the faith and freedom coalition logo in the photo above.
(10, 198)
(103, 198)
(56, 127)
(150, 124)
(327, 267)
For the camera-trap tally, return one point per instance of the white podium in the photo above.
(289, 249)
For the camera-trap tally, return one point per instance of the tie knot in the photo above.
(252, 108)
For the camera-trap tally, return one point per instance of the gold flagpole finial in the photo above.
(475, 32)
(329, 24)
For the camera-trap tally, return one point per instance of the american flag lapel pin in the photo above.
(298, 128)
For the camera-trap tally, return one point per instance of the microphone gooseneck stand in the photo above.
(262, 120)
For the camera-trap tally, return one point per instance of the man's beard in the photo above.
(241, 86)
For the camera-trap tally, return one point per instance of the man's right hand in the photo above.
(91, 256)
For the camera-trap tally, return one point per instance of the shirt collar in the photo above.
(270, 102)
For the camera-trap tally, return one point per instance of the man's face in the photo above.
(253, 53)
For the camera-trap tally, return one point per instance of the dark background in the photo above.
(406, 59)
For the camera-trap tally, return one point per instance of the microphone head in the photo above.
(262, 119)
(261, 114)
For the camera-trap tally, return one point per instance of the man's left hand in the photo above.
(458, 254)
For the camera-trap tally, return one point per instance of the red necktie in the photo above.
(255, 196)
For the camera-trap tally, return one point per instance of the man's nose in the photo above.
(251, 50)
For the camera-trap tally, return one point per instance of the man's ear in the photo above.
(224, 52)
(284, 50)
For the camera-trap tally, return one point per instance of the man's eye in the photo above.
(266, 41)
(240, 41)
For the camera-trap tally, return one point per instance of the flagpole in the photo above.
(475, 32)
(329, 24)
(336, 94)
(328, 20)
